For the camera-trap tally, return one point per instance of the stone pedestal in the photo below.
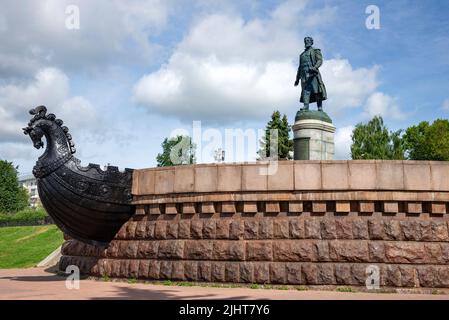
(313, 136)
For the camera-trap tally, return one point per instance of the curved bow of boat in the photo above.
(87, 203)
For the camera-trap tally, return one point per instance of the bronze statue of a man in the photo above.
(313, 89)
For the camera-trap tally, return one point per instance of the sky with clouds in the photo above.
(138, 70)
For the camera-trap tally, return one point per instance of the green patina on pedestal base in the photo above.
(312, 114)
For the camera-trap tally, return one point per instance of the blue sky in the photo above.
(136, 71)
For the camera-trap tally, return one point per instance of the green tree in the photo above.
(179, 150)
(374, 141)
(428, 141)
(12, 197)
(285, 144)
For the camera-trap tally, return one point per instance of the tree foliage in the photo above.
(373, 141)
(12, 197)
(176, 151)
(428, 141)
(285, 144)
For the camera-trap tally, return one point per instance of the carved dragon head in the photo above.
(43, 124)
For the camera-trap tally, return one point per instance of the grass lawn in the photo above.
(22, 247)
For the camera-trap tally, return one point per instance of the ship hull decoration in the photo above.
(87, 203)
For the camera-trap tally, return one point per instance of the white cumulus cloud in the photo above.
(381, 104)
(343, 143)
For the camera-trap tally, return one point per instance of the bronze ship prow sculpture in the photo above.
(86, 203)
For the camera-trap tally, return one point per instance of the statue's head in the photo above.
(308, 42)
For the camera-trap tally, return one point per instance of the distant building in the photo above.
(29, 182)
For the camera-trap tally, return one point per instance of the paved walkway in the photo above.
(36, 283)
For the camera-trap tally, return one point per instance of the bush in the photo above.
(24, 216)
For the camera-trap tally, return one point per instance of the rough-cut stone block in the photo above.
(307, 176)
(272, 207)
(362, 175)
(411, 230)
(171, 249)
(280, 228)
(261, 272)
(360, 229)
(154, 209)
(266, 229)
(165, 179)
(228, 207)
(246, 272)
(417, 176)
(366, 206)
(124, 269)
(184, 179)
(343, 273)
(191, 270)
(294, 251)
(348, 251)
(389, 175)
(172, 229)
(249, 207)
(325, 274)
(343, 228)
(130, 249)
(177, 272)
(144, 267)
(140, 210)
(392, 230)
(390, 207)
(113, 249)
(209, 229)
(322, 250)
(328, 229)
(358, 274)
(198, 250)
(309, 273)
(228, 250)
(278, 273)
(165, 270)
(259, 250)
(295, 206)
(343, 206)
(131, 229)
(283, 177)
(171, 208)
(141, 230)
(376, 251)
(153, 270)
(439, 231)
(434, 253)
(147, 249)
(414, 207)
(438, 208)
(206, 178)
(188, 208)
(232, 272)
(293, 271)
(229, 178)
(312, 229)
(405, 252)
(236, 230)
(160, 230)
(207, 207)
(376, 229)
(296, 227)
(319, 206)
(251, 229)
(218, 272)
(335, 175)
(254, 177)
(204, 271)
(145, 182)
(196, 229)
(184, 229)
(222, 229)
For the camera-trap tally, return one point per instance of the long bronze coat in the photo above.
(317, 61)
